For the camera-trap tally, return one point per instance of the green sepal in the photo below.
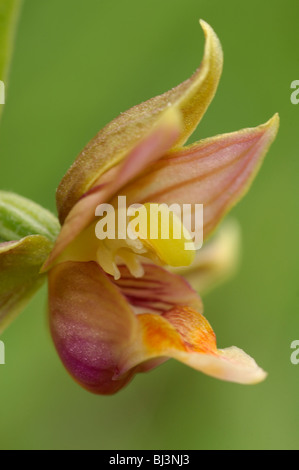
(20, 278)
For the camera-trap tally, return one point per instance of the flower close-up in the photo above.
(119, 307)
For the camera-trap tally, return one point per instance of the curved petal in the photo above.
(20, 263)
(102, 343)
(157, 290)
(91, 325)
(111, 145)
(185, 335)
(215, 172)
(92, 321)
(151, 148)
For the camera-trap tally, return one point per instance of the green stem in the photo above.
(9, 14)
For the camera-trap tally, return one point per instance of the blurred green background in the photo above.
(76, 66)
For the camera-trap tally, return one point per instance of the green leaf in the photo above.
(21, 217)
(20, 263)
(9, 13)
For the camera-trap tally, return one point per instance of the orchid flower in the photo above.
(120, 307)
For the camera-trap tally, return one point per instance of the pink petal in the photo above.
(157, 291)
(91, 325)
(149, 150)
(103, 344)
(215, 172)
(115, 142)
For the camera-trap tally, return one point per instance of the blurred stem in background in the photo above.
(9, 14)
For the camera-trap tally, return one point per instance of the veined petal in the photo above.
(102, 343)
(111, 145)
(157, 290)
(91, 325)
(184, 334)
(150, 149)
(215, 172)
(20, 263)
(92, 320)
